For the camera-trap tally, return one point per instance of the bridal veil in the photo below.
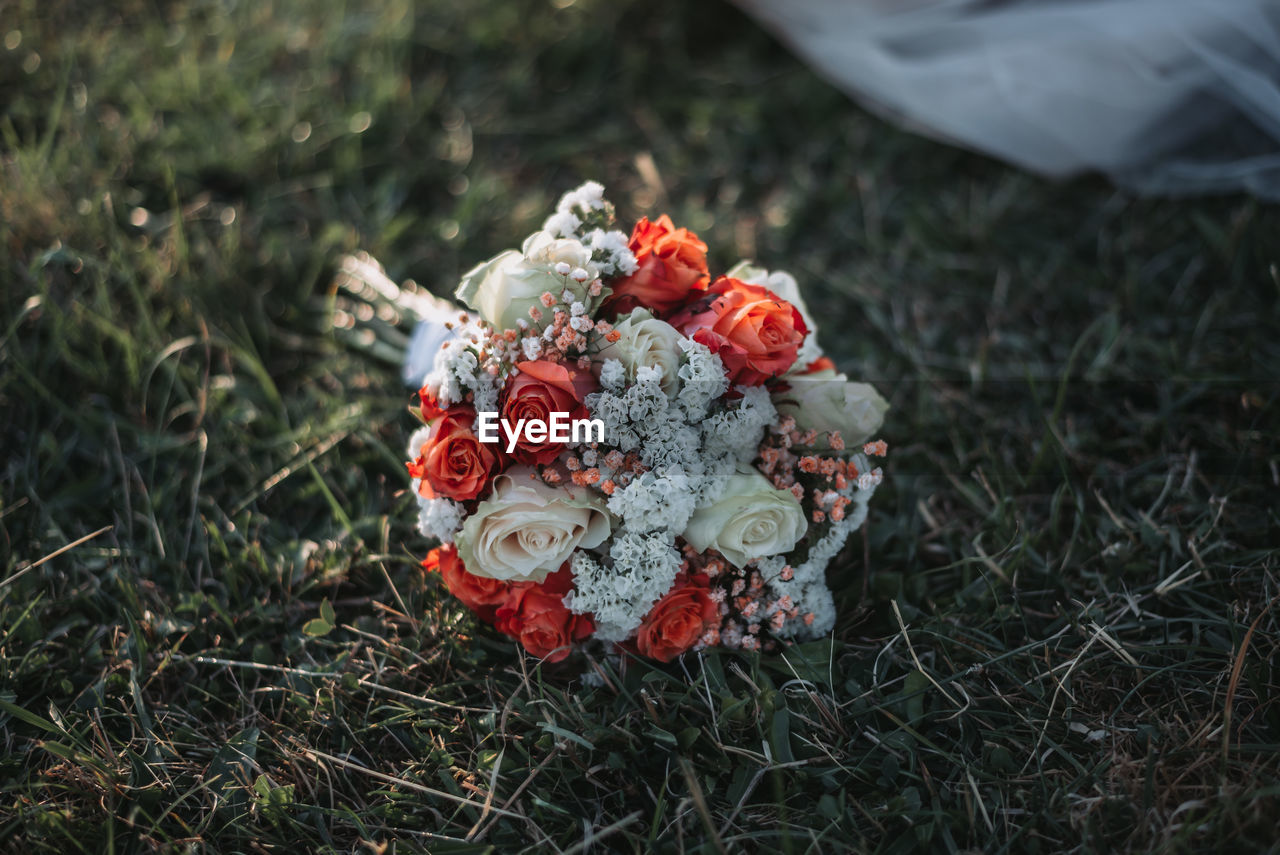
(1165, 96)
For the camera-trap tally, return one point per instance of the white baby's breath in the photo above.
(702, 379)
(585, 198)
(456, 369)
(659, 500)
(439, 518)
(611, 252)
(619, 592)
(416, 439)
(562, 224)
(612, 375)
(737, 432)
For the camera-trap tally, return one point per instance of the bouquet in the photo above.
(619, 448)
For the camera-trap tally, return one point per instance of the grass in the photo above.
(1058, 631)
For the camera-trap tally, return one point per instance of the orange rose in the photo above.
(430, 407)
(453, 462)
(678, 620)
(755, 332)
(479, 593)
(535, 614)
(672, 262)
(822, 363)
(539, 389)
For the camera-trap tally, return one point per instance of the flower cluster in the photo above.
(733, 463)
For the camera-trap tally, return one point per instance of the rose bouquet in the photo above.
(618, 446)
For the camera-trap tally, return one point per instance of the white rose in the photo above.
(752, 520)
(544, 248)
(785, 286)
(528, 529)
(646, 342)
(826, 401)
(505, 287)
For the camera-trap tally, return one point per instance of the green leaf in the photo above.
(317, 627)
(29, 717)
(567, 734)
(812, 661)
(782, 736)
(914, 689)
(228, 773)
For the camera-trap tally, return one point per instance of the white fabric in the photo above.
(429, 335)
(1166, 96)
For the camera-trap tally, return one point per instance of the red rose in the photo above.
(754, 331)
(453, 462)
(672, 262)
(678, 620)
(478, 593)
(536, 615)
(539, 389)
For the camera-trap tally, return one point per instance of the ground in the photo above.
(1058, 628)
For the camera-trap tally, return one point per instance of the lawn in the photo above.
(1058, 629)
